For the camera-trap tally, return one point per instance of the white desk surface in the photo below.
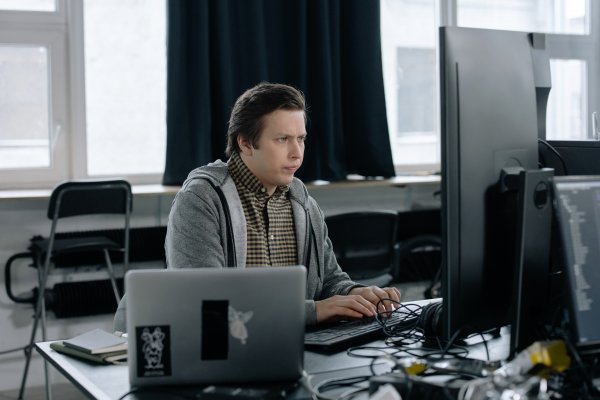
(112, 381)
(109, 382)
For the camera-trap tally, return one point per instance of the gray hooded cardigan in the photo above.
(207, 228)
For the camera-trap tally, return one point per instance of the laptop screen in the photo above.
(577, 201)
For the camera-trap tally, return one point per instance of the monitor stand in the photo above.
(532, 253)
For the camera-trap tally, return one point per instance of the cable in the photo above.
(556, 153)
(157, 390)
(590, 388)
(487, 350)
(330, 384)
(453, 338)
(306, 381)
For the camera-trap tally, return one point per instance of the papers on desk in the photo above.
(96, 345)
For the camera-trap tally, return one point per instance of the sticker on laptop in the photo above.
(153, 351)
(220, 321)
(237, 324)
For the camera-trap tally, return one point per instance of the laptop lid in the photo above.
(577, 202)
(215, 325)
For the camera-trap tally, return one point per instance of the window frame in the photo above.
(78, 102)
(62, 33)
(46, 29)
(20, 17)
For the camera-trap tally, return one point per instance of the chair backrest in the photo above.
(364, 241)
(415, 223)
(419, 259)
(419, 241)
(88, 197)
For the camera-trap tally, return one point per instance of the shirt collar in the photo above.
(243, 176)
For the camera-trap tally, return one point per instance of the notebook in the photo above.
(577, 201)
(215, 325)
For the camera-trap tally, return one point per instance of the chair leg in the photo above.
(28, 351)
(111, 274)
(44, 338)
(39, 314)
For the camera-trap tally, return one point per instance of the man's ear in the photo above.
(245, 145)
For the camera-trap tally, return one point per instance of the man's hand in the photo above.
(339, 307)
(375, 294)
(360, 302)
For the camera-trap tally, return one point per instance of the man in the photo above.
(251, 211)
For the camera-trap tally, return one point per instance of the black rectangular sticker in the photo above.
(215, 329)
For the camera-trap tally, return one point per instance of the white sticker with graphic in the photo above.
(237, 324)
(153, 347)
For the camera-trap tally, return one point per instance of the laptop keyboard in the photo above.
(351, 333)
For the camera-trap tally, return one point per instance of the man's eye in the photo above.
(282, 139)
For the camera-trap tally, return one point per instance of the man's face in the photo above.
(279, 151)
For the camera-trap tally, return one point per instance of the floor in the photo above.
(66, 391)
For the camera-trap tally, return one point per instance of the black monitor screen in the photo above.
(489, 123)
(577, 203)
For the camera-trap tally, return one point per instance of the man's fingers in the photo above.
(393, 293)
(361, 303)
(381, 297)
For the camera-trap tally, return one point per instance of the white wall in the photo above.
(23, 218)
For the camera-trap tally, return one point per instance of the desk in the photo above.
(112, 381)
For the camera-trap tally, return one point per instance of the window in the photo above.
(25, 129)
(125, 86)
(84, 90)
(567, 108)
(33, 104)
(549, 16)
(410, 65)
(408, 40)
(570, 39)
(28, 5)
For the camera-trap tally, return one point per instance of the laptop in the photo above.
(215, 325)
(577, 202)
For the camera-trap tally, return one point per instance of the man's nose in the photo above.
(296, 149)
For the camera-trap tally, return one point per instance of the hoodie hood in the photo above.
(217, 173)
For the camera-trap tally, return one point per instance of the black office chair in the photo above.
(419, 233)
(76, 199)
(420, 259)
(364, 244)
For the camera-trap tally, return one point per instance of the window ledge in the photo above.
(399, 181)
(144, 190)
(138, 190)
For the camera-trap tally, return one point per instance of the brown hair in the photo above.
(249, 109)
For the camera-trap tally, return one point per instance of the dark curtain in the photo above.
(328, 49)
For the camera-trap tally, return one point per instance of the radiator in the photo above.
(145, 244)
(74, 299)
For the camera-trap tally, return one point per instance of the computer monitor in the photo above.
(577, 203)
(495, 204)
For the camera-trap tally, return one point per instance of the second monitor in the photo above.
(489, 158)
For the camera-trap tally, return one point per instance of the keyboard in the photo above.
(335, 337)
